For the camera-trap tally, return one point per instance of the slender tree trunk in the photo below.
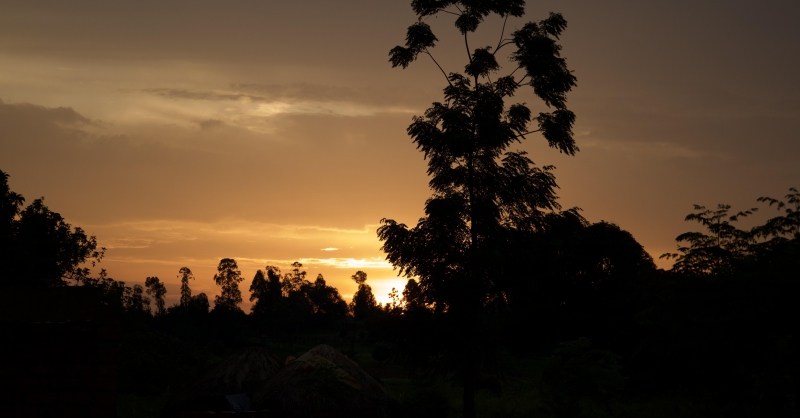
(471, 284)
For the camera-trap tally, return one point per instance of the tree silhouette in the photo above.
(481, 190)
(294, 308)
(412, 296)
(228, 277)
(185, 274)
(10, 204)
(363, 302)
(265, 291)
(294, 279)
(157, 290)
(199, 304)
(135, 301)
(326, 303)
(726, 248)
(786, 226)
(38, 245)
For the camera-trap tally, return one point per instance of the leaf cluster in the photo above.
(472, 12)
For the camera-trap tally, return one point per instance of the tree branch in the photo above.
(466, 43)
(447, 11)
(515, 70)
(502, 45)
(502, 33)
(525, 133)
(440, 67)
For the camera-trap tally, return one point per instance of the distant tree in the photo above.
(185, 274)
(228, 277)
(482, 191)
(109, 291)
(265, 291)
(199, 304)
(320, 281)
(724, 248)
(116, 295)
(157, 290)
(135, 301)
(394, 300)
(786, 226)
(294, 280)
(326, 302)
(712, 253)
(363, 302)
(258, 289)
(294, 309)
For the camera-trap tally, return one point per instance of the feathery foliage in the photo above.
(483, 190)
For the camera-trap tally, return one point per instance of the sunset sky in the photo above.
(182, 132)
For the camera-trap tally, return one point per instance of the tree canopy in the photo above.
(228, 278)
(39, 248)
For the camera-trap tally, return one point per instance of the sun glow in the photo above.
(382, 287)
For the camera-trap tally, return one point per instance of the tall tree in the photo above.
(265, 291)
(228, 277)
(482, 191)
(295, 307)
(157, 290)
(185, 274)
(363, 299)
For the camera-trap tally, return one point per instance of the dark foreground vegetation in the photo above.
(589, 327)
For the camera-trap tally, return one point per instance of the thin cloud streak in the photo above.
(288, 100)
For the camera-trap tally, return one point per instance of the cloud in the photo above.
(142, 234)
(202, 95)
(239, 108)
(26, 113)
(304, 91)
(211, 124)
(349, 263)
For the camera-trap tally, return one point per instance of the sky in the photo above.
(183, 132)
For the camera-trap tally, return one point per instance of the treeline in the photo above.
(717, 332)
(39, 248)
